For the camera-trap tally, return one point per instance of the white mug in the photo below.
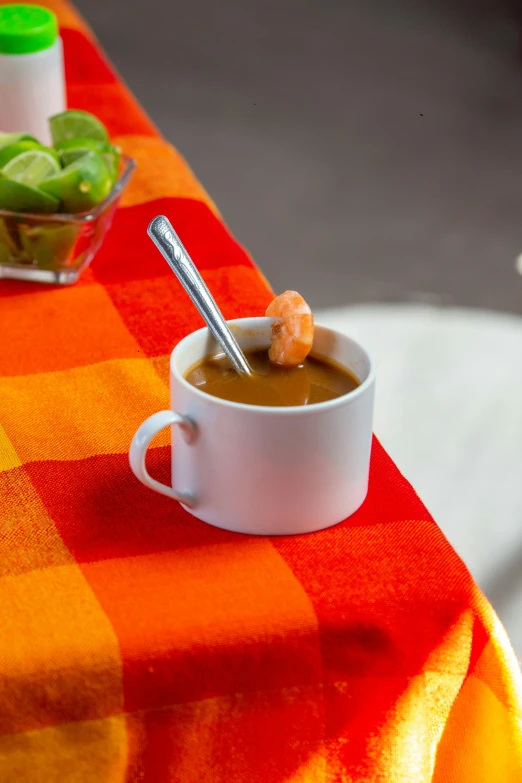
(258, 469)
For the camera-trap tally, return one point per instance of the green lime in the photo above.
(31, 167)
(49, 245)
(72, 149)
(8, 247)
(76, 124)
(82, 184)
(13, 138)
(21, 198)
(11, 151)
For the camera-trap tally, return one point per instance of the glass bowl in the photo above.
(57, 248)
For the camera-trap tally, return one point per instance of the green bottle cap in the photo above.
(26, 28)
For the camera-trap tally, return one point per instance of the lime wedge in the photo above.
(48, 245)
(72, 149)
(31, 167)
(8, 248)
(77, 124)
(21, 198)
(5, 236)
(13, 138)
(10, 151)
(82, 184)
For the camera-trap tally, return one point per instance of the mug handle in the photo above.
(140, 444)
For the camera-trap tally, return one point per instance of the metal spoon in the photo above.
(169, 244)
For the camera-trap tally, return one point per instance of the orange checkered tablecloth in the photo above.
(139, 644)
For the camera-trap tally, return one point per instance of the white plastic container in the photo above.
(32, 83)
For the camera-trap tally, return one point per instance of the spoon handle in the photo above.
(167, 241)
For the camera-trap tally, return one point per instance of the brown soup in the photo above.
(316, 380)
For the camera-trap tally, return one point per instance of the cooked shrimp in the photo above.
(293, 333)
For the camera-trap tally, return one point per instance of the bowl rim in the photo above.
(128, 166)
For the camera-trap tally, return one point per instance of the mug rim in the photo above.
(292, 410)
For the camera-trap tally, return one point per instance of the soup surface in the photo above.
(316, 380)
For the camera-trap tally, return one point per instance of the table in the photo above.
(139, 644)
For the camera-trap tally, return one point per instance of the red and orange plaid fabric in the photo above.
(138, 644)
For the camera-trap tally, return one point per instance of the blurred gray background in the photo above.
(363, 150)
(367, 152)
